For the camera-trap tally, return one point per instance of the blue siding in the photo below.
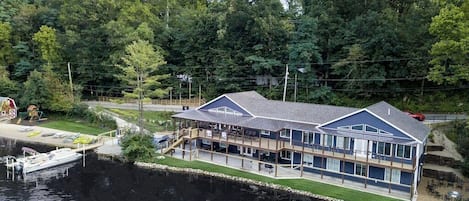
(312, 170)
(372, 182)
(366, 118)
(376, 172)
(273, 135)
(224, 101)
(349, 168)
(406, 178)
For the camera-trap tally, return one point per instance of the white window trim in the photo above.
(283, 153)
(384, 148)
(311, 161)
(355, 169)
(307, 135)
(265, 132)
(403, 156)
(285, 134)
(396, 175)
(331, 164)
(343, 142)
(225, 110)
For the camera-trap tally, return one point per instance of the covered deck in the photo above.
(238, 138)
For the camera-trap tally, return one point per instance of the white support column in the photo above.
(417, 168)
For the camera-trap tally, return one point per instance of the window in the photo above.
(371, 129)
(264, 132)
(308, 138)
(285, 155)
(285, 133)
(357, 127)
(395, 177)
(317, 138)
(403, 151)
(308, 159)
(328, 140)
(383, 132)
(225, 110)
(384, 148)
(343, 143)
(206, 142)
(333, 164)
(344, 128)
(360, 169)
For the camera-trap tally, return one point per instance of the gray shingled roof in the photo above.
(275, 115)
(249, 122)
(400, 119)
(288, 111)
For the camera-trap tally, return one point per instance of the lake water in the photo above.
(103, 180)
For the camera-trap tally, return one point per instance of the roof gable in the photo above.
(224, 101)
(364, 117)
(400, 120)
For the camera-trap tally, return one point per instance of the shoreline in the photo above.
(155, 166)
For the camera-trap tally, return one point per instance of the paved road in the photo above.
(133, 106)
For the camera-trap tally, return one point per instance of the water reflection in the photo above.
(106, 180)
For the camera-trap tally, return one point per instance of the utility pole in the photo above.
(167, 15)
(190, 88)
(286, 81)
(71, 83)
(200, 94)
(296, 78)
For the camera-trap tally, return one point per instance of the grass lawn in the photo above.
(299, 184)
(73, 126)
(154, 120)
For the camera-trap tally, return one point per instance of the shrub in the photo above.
(138, 147)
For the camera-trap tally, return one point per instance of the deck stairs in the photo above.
(174, 145)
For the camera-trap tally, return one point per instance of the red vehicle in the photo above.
(418, 116)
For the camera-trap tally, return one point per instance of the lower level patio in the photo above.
(251, 165)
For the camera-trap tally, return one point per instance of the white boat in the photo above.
(39, 161)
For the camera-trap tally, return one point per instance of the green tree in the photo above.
(35, 91)
(140, 71)
(360, 78)
(48, 46)
(8, 88)
(450, 63)
(6, 54)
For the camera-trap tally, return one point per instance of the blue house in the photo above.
(378, 145)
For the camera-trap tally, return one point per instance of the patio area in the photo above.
(254, 166)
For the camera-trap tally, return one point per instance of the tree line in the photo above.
(363, 50)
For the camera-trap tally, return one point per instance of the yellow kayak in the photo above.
(83, 140)
(34, 133)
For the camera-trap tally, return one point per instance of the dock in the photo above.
(24, 133)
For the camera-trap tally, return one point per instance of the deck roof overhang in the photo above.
(244, 121)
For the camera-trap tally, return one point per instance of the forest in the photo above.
(412, 53)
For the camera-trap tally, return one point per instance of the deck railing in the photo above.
(274, 145)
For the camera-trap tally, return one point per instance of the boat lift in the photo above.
(11, 169)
